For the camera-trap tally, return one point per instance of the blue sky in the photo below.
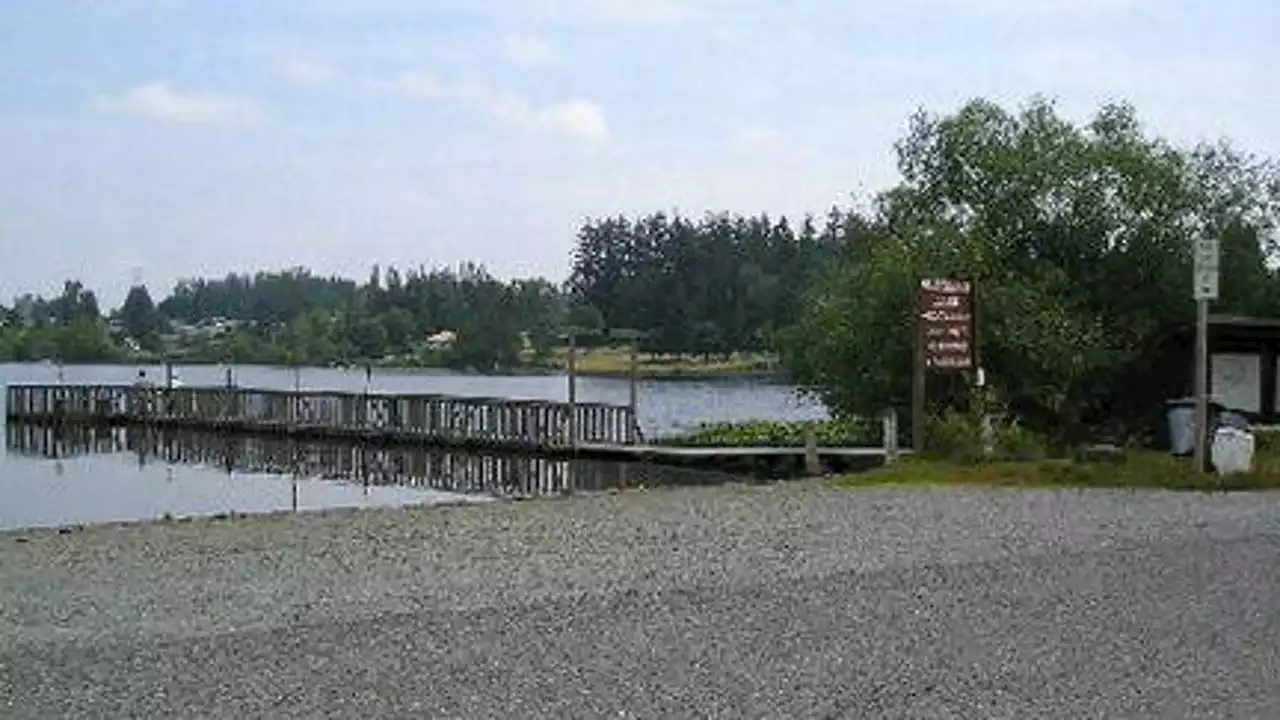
(171, 138)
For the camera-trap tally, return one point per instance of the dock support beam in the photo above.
(573, 391)
(889, 431)
(812, 463)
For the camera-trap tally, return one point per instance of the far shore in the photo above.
(604, 364)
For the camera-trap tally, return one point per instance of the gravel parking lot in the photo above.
(788, 601)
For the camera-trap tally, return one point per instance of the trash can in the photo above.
(1181, 416)
(1232, 450)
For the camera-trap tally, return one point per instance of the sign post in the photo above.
(946, 341)
(1204, 290)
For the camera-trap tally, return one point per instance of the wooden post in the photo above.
(918, 388)
(573, 391)
(812, 463)
(1202, 384)
(635, 362)
(889, 431)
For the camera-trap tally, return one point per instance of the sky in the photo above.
(155, 140)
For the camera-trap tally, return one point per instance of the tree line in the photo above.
(721, 284)
(295, 316)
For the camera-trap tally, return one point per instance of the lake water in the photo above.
(84, 476)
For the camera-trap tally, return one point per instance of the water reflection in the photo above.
(366, 465)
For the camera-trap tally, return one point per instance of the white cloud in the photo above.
(576, 118)
(1031, 7)
(757, 135)
(616, 12)
(527, 51)
(307, 74)
(572, 118)
(620, 12)
(422, 86)
(161, 102)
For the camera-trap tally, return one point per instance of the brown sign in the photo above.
(945, 313)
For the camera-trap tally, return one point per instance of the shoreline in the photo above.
(832, 485)
(682, 374)
(29, 533)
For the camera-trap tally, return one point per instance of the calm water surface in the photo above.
(83, 477)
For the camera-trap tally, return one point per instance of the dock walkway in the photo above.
(599, 431)
(496, 423)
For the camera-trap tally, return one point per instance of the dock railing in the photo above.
(442, 419)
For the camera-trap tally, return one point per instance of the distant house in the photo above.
(442, 340)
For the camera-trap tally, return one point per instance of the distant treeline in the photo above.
(717, 285)
(294, 316)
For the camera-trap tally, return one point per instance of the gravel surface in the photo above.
(790, 601)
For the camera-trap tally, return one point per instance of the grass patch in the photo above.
(1132, 469)
(616, 362)
(827, 433)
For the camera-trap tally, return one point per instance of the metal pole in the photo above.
(1202, 384)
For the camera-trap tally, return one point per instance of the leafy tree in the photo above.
(84, 339)
(587, 320)
(400, 328)
(140, 319)
(74, 303)
(1079, 238)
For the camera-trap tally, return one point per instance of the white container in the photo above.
(1232, 450)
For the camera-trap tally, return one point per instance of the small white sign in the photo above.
(1205, 281)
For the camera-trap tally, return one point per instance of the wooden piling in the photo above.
(889, 430)
(812, 462)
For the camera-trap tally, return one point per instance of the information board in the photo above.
(946, 324)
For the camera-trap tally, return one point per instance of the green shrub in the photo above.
(983, 431)
(829, 433)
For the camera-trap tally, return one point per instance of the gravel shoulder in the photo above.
(792, 600)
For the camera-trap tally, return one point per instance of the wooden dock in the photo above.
(495, 423)
(586, 430)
